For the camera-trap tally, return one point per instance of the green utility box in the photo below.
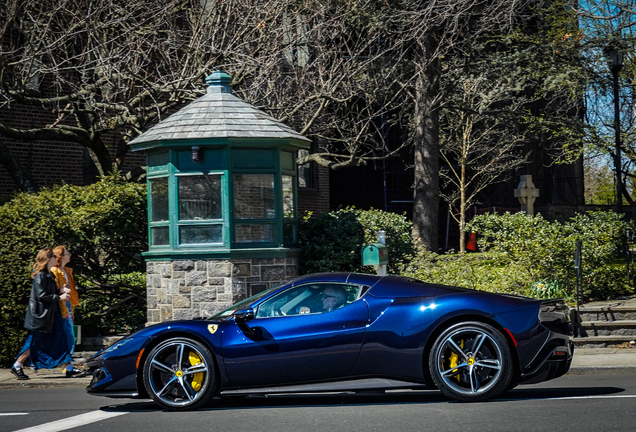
(375, 254)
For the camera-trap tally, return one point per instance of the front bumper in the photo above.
(114, 371)
(103, 383)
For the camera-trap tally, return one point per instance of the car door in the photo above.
(291, 341)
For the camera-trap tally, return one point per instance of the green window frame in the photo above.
(255, 212)
(159, 211)
(289, 187)
(187, 205)
(200, 209)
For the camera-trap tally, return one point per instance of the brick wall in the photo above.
(49, 162)
(315, 199)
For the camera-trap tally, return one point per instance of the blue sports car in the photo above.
(343, 332)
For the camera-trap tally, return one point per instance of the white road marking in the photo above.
(594, 397)
(71, 422)
(12, 414)
(567, 398)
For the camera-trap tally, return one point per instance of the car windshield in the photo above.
(240, 305)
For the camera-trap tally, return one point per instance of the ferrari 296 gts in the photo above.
(343, 332)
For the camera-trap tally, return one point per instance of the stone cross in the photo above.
(527, 193)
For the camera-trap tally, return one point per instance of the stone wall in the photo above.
(186, 289)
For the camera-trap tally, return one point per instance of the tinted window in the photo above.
(309, 299)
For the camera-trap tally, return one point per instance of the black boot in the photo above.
(75, 373)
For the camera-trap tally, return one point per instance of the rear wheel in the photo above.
(180, 374)
(471, 362)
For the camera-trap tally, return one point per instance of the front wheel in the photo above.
(180, 374)
(471, 362)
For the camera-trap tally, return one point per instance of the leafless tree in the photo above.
(334, 69)
(481, 142)
(432, 31)
(115, 68)
(607, 25)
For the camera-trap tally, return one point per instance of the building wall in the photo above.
(50, 162)
(316, 198)
(42, 159)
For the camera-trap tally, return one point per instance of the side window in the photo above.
(310, 299)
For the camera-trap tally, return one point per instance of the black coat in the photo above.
(43, 303)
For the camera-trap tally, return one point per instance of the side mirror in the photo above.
(244, 315)
(241, 317)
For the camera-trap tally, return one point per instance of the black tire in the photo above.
(180, 374)
(471, 362)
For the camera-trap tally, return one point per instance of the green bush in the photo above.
(116, 306)
(334, 241)
(480, 271)
(103, 225)
(544, 251)
(531, 256)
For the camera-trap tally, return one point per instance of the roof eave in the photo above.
(296, 143)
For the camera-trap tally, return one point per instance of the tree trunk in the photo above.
(462, 209)
(89, 170)
(22, 180)
(426, 153)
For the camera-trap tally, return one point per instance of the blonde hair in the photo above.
(41, 260)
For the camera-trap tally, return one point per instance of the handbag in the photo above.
(38, 310)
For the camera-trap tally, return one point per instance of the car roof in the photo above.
(342, 277)
(382, 286)
(401, 286)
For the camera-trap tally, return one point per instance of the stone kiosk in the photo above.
(222, 207)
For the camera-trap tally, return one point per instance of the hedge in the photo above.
(334, 241)
(104, 226)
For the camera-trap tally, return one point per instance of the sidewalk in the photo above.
(589, 361)
(42, 378)
(586, 362)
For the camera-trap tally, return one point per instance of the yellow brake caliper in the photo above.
(197, 379)
(454, 359)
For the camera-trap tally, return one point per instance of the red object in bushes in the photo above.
(472, 242)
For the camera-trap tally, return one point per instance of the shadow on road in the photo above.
(389, 398)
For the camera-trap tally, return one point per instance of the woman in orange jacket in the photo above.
(66, 283)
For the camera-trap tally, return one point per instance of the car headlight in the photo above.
(117, 345)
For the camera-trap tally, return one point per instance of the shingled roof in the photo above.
(219, 114)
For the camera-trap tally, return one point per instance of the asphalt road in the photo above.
(570, 403)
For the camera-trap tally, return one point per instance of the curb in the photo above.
(596, 361)
(7, 381)
(47, 384)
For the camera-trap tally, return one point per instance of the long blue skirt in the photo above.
(68, 329)
(48, 350)
(70, 334)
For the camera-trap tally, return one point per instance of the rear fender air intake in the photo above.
(554, 314)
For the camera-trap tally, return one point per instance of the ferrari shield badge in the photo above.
(212, 328)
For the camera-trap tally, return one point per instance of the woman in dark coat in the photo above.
(46, 346)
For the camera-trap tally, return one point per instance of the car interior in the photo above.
(306, 299)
